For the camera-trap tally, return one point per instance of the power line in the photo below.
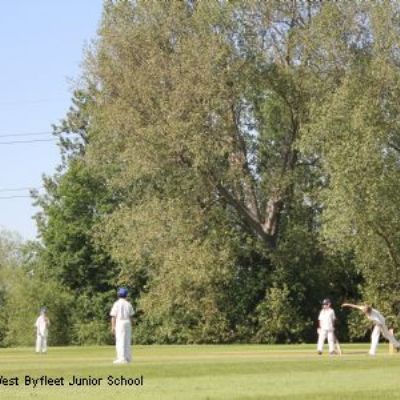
(38, 101)
(27, 134)
(2, 190)
(14, 197)
(29, 141)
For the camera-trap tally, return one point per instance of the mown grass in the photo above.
(207, 372)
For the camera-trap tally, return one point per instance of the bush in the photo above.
(278, 320)
(90, 320)
(25, 298)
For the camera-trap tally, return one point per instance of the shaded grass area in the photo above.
(205, 372)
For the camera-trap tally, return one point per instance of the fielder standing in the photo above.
(380, 326)
(121, 327)
(326, 327)
(42, 329)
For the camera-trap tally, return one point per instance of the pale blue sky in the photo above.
(41, 49)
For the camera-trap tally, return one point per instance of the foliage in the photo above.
(75, 200)
(355, 130)
(232, 163)
(201, 144)
(278, 318)
(73, 204)
(90, 322)
(27, 296)
(11, 255)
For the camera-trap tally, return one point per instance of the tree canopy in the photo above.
(232, 163)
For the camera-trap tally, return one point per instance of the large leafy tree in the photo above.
(189, 93)
(75, 200)
(356, 132)
(197, 113)
(213, 143)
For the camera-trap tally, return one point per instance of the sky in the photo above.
(42, 44)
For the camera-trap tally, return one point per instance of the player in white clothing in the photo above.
(326, 327)
(42, 329)
(121, 327)
(380, 326)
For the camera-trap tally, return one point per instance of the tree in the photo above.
(227, 161)
(355, 130)
(196, 118)
(10, 260)
(75, 200)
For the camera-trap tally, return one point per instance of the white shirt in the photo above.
(41, 325)
(326, 319)
(376, 317)
(121, 310)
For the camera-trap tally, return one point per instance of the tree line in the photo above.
(231, 163)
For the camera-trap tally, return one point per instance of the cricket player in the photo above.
(326, 327)
(380, 326)
(42, 328)
(121, 327)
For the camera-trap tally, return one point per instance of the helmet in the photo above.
(43, 310)
(326, 301)
(122, 292)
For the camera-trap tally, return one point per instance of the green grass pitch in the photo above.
(205, 372)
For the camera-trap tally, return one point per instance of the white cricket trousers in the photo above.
(41, 343)
(375, 338)
(323, 334)
(123, 332)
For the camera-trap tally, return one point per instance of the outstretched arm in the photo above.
(357, 307)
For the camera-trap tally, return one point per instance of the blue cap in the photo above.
(122, 292)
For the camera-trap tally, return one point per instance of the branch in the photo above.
(247, 215)
(394, 147)
(311, 163)
(249, 188)
(274, 207)
(392, 254)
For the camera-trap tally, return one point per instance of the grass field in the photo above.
(206, 372)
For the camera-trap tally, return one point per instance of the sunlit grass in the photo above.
(203, 372)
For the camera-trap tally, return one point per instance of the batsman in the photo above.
(326, 328)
